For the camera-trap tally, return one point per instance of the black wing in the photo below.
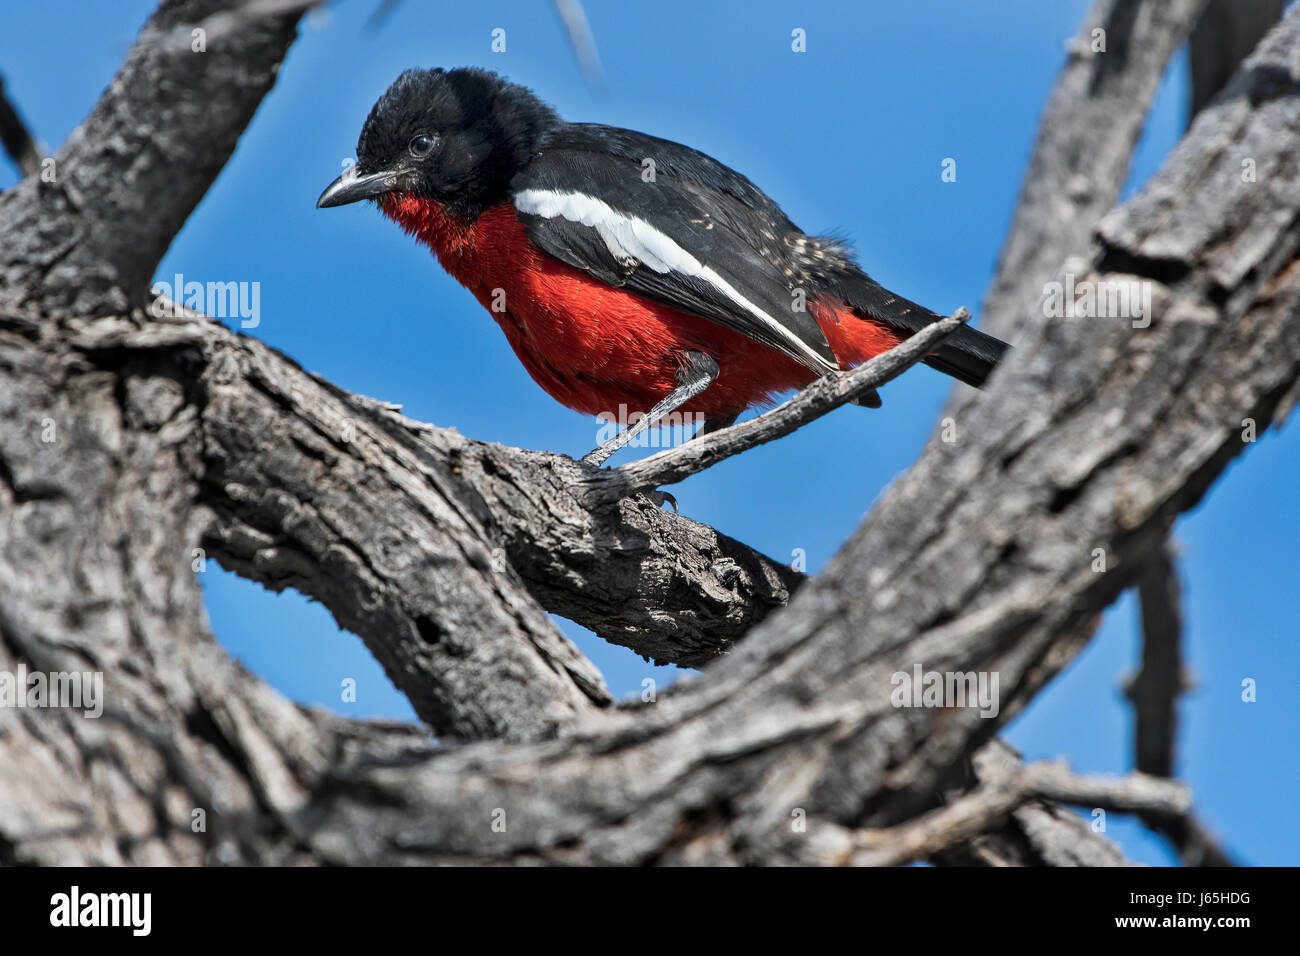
(699, 237)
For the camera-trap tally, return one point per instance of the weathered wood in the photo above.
(822, 396)
(976, 812)
(1081, 156)
(88, 242)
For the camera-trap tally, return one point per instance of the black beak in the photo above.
(351, 187)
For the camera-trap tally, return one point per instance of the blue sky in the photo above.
(849, 137)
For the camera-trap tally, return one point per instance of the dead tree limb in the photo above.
(87, 243)
(16, 138)
(825, 395)
(1085, 143)
(1225, 35)
(976, 812)
(1039, 832)
(1078, 167)
(1158, 684)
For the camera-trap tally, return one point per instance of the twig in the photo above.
(822, 396)
(1154, 694)
(1154, 691)
(16, 138)
(1081, 155)
(582, 39)
(1038, 833)
(980, 810)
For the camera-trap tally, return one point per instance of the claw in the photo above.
(660, 498)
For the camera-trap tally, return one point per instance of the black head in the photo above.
(455, 136)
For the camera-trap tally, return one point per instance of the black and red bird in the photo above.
(684, 289)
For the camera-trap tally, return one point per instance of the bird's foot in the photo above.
(598, 456)
(661, 498)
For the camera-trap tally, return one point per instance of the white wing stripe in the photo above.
(630, 237)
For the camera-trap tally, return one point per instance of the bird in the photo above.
(625, 269)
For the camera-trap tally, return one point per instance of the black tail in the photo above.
(969, 355)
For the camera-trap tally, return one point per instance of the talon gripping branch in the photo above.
(690, 291)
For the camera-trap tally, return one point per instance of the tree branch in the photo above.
(1154, 692)
(89, 241)
(16, 138)
(824, 395)
(667, 587)
(1081, 157)
(977, 812)
(1052, 835)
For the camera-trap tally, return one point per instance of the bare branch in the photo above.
(667, 587)
(1154, 692)
(1085, 142)
(298, 492)
(89, 240)
(16, 138)
(1053, 835)
(824, 395)
(979, 811)
(1037, 833)
(582, 39)
(671, 589)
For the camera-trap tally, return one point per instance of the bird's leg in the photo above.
(696, 373)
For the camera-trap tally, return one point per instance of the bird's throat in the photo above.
(451, 237)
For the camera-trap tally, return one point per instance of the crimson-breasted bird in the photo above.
(625, 269)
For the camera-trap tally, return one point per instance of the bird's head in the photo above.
(456, 137)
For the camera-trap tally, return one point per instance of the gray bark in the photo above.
(1079, 167)
(1081, 157)
(82, 246)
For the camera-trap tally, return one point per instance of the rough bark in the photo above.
(1158, 684)
(1081, 157)
(1073, 171)
(86, 247)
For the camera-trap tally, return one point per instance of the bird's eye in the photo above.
(422, 145)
